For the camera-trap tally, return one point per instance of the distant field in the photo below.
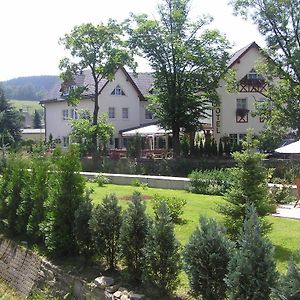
(26, 105)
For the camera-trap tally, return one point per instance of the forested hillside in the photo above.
(29, 88)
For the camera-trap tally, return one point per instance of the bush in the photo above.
(250, 186)
(133, 236)
(105, 224)
(289, 284)
(101, 180)
(162, 256)
(14, 180)
(66, 192)
(210, 182)
(137, 183)
(175, 206)
(206, 257)
(252, 269)
(39, 190)
(81, 226)
(281, 192)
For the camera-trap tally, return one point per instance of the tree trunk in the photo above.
(95, 150)
(176, 141)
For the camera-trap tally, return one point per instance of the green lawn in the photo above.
(6, 293)
(26, 105)
(285, 233)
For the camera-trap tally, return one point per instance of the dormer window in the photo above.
(68, 89)
(252, 75)
(117, 91)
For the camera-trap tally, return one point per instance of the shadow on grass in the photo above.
(283, 254)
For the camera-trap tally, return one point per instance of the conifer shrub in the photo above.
(249, 187)
(38, 192)
(206, 258)
(252, 269)
(220, 148)
(162, 253)
(15, 178)
(210, 182)
(105, 224)
(175, 206)
(66, 192)
(289, 283)
(133, 237)
(81, 226)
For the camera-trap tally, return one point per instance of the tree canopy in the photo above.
(98, 48)
(278, 21)
(188, 60)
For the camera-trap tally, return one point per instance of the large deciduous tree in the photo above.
(279, 22)
(98, 48)
(188, 61)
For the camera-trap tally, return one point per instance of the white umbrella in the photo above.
(290, 148)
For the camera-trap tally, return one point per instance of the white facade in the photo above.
(123, 100)
(226, 120)
(119, 99)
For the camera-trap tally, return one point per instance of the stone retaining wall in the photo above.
(18, 267)
(161, 182)
(25, 271)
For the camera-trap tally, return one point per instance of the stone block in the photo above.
(117, 294)
(104, 281)
(136, 296)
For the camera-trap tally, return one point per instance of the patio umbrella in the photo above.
(290, 148)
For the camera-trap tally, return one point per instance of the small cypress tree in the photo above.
(66, 190)
(162, 256)
(37, 122)
(289, 284)
(206, 257)
(14, 181)
(133, 236)
(105, 224)
(252, 269)
(220, 148)
(249, 186)
(81, 226)
(39, 190)
(201, 148)
(214, 148)
(226, 148)
(207, 147)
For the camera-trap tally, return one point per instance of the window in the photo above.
(65, 113)
(66, 141)
(252, 75)
(117, 91)
(233, 138)
(111, 112)
(125, 112)
(68, 89)
(241, 103)
(125, 142)
(241, 137)
(74, 114)
(148, 115)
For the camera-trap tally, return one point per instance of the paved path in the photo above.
(288, 211)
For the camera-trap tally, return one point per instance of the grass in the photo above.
(26, 105)
(285, 234)
(6, 293)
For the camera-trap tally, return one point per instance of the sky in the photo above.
(30, 29)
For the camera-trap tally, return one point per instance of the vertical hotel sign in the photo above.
(218, 119)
